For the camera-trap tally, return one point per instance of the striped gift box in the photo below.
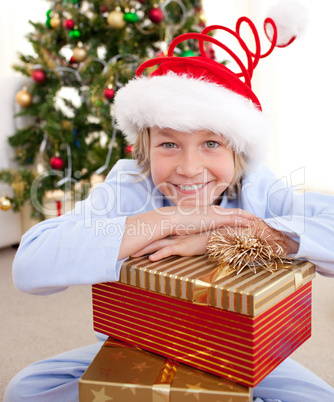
(237, 327)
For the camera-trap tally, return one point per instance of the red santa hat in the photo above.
(196, 93)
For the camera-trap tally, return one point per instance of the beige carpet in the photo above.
(36, 327)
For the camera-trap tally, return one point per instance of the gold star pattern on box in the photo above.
(136, 375)
(140, 366)
(194, 389)
(100, 396)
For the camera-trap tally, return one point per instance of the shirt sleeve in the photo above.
(82, 246)
(306, 217)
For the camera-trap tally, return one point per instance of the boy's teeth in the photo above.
(191, 187)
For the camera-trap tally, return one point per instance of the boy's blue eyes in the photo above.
(208, 144)
(169, 144)
(212, 144)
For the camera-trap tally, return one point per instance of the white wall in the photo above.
(295, 87)
(14, 24)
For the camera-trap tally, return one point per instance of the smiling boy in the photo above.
(199, 135)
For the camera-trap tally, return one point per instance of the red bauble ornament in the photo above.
(38, 76)
(128, 150)
(156, 15)
(68, 24)
(72, 60)
(103, 8)
(161, 54)
(141, 1)
(109, 93)
(56, 162)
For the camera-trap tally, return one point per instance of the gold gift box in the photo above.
(198, 280)
(121, 372)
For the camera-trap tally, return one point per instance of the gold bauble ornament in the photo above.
(66, 125)
(5, 203)
(115, 19)
(55, 22)
(80, 53)
(24, 98)
(18, 187)
(202, 17)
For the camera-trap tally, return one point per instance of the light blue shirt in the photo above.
(81, 247)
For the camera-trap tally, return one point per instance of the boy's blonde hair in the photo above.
(141, 152)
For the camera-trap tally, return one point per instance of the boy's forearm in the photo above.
(145, 228)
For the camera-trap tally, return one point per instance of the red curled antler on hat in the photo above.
(197, 93)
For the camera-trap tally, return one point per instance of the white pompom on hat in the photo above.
(196, 93)
(291, 20)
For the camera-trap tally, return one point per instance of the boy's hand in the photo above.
(282, 244)
(186, 245)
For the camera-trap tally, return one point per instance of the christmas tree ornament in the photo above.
(55, 22)
(75, 34)
(18, 187)
(67, 125)
(49, 13)
(103, 8)
(68, 24)
(24, 97)
(188, 53)
(48, 22)
(68, 177)
(38, 76)
(156, 14)
(5, 203)
(80, 53)
(202, 18)
(109, 93)
(115, 19)
(75, 135)
(128, 150)
(57, 162)
(72, 60)
(131, 17)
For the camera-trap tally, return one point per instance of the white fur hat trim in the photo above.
(186, 104)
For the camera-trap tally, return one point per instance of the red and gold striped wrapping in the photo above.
(121, 372)
(238, 347)
(198, 280)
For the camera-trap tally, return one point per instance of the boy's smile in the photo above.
(190, 168)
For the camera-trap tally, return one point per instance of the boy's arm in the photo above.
(150, 227)
(305, 217)
(195, 244)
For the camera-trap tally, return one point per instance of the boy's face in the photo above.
(190, 168)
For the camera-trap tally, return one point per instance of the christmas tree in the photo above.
(83, 52)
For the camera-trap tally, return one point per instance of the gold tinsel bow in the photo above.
(237, 249)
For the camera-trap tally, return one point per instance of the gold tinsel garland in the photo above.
(242, 248)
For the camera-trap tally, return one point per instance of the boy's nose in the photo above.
(189, 164)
